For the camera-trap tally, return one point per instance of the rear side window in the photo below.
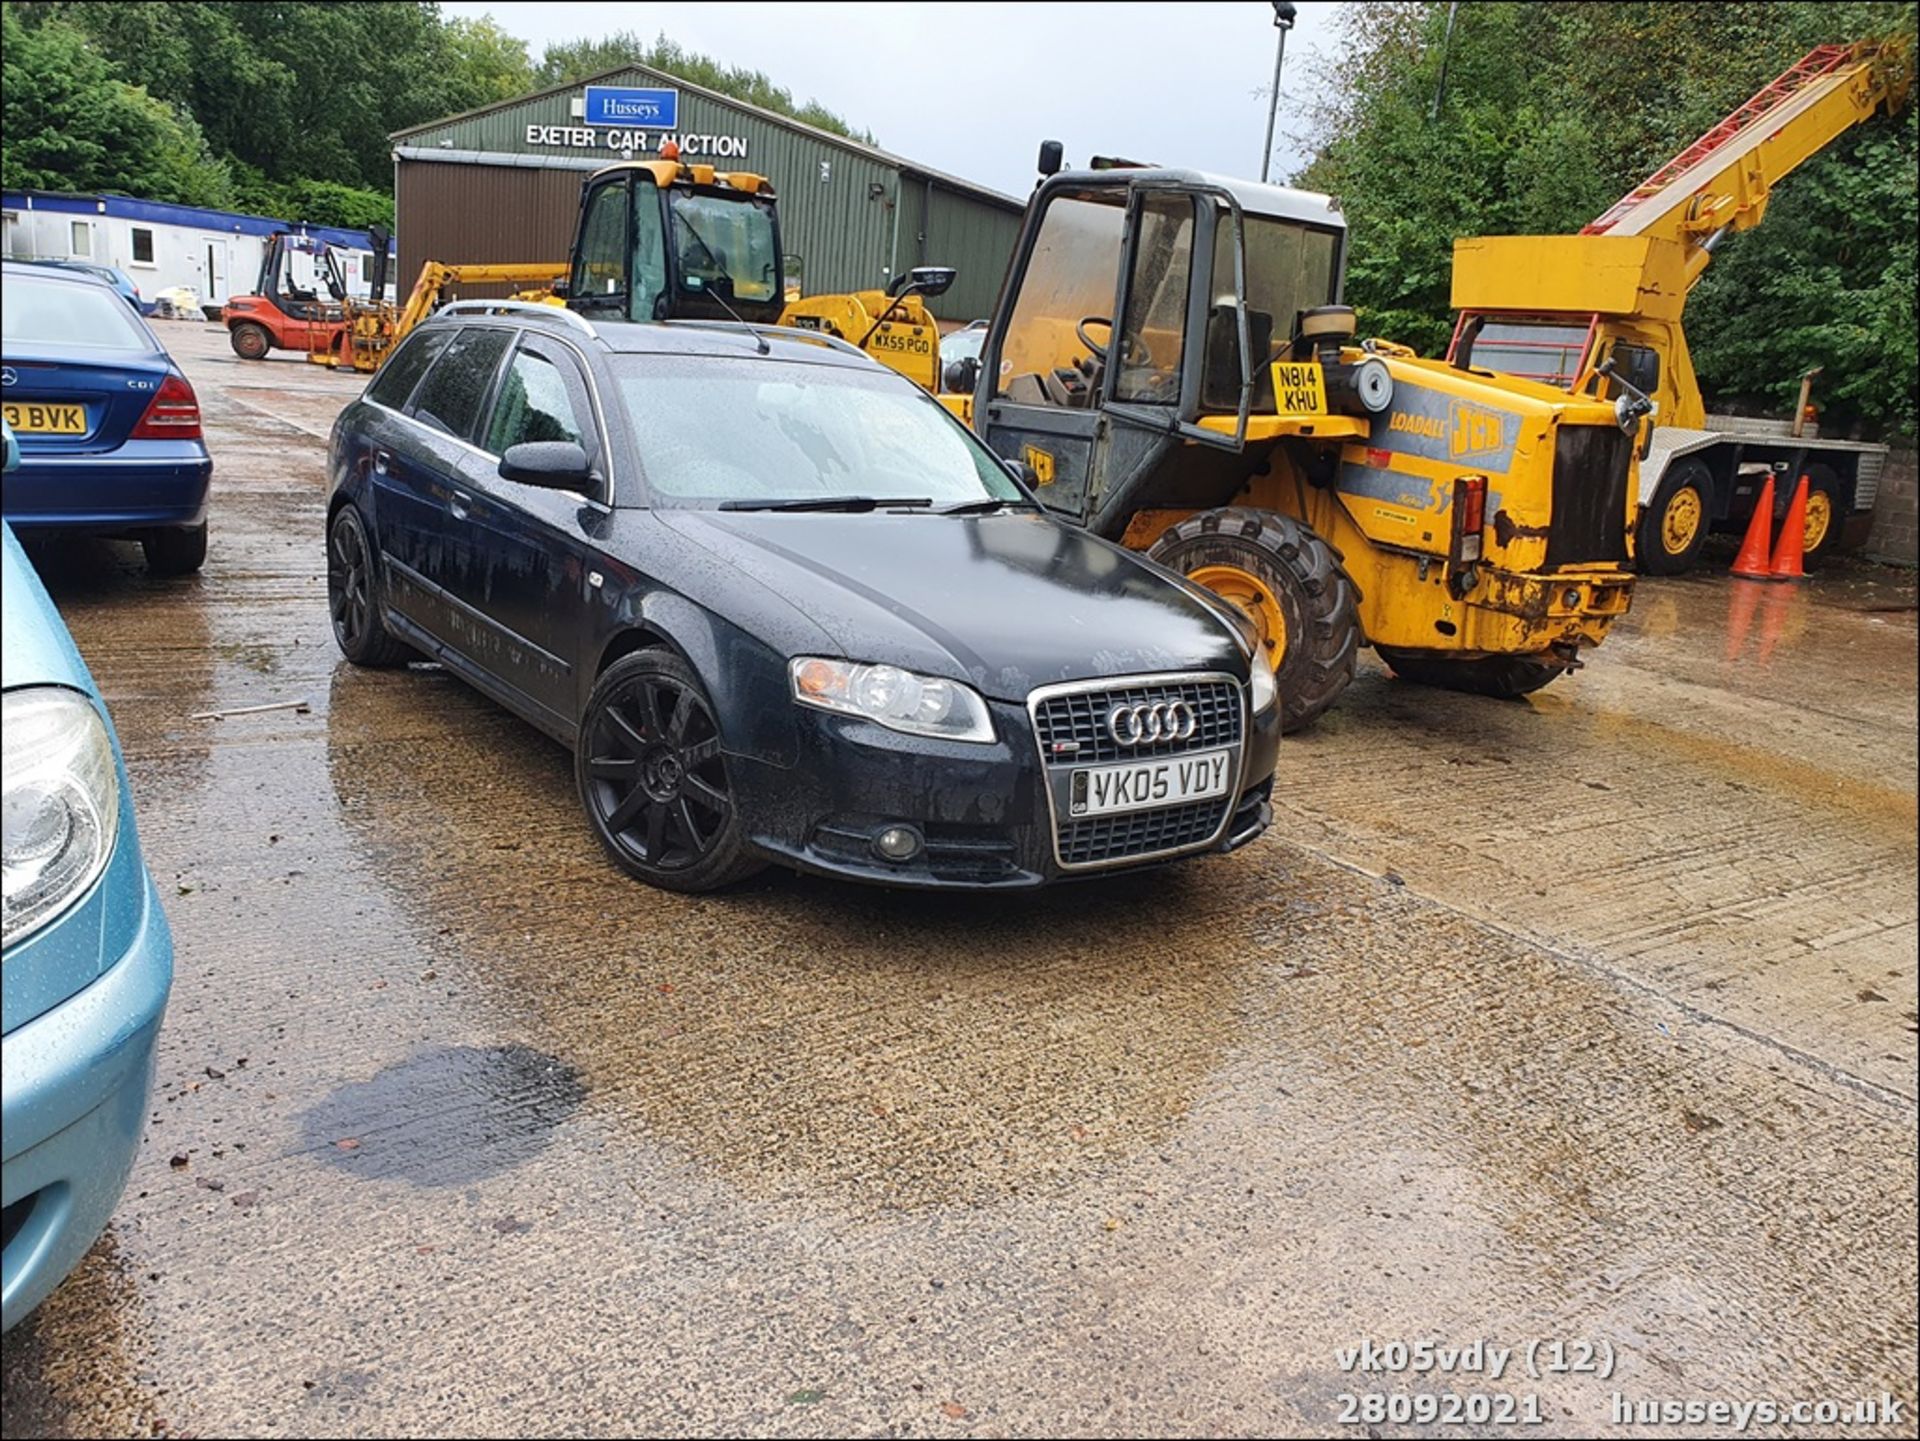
(56, 312)
(450, 397)
(398, 376)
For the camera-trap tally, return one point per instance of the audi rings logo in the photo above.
(1152, 722)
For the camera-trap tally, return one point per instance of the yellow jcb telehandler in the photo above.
(1170, 360)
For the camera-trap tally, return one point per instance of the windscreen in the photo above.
(1071, 275)
(712, 430)
(725, 238)
(34, 311)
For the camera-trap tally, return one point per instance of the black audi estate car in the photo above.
(784, 608)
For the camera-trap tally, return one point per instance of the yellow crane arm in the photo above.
(436, 277)
(1721, 182)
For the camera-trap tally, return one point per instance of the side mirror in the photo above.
(1053, 157)
(549, 464)
(962, 375)
(931, 279)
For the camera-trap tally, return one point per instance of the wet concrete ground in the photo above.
(1588, 1019)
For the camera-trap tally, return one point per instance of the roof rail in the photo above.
(530, 308)
(785, 332)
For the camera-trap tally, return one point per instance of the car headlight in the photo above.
(921, 705)
(1264, 689)
(59, 804)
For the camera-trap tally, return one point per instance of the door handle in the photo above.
(458, 505)
(380, 461)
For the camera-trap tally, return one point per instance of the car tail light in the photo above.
(1469, 517)
(172, 414)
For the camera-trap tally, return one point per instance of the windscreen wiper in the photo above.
(981, 507)
(823, 502)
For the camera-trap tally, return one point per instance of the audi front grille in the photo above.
(1070, 725)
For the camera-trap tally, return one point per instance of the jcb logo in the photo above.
(1472, 431)
(1042, 463)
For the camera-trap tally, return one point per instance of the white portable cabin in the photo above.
(216, 253)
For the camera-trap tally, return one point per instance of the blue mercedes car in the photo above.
(109, 429)
(86, 959)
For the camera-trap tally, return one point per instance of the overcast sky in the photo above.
(972, 89)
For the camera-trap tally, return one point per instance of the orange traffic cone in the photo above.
(1752, 560)
(1788, 555)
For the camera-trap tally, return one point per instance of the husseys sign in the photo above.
(631, 121)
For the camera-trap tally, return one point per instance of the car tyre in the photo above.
(1504, 677)
(1291, 584)
(250, 341)
(179, 551)
(653, 779)
(353, 598)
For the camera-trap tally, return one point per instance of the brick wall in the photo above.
(1893, 535)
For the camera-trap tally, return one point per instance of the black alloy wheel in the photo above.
(358, 630)
(653, 779)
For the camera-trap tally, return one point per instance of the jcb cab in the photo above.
(660, 240)
(1472, 528)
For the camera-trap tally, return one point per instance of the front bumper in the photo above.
(76, 1082)
(1516, 613)
(981, 809)
(145, 485)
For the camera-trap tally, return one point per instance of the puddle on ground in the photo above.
(445, 1116)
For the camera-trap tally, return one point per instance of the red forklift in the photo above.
(287, 309)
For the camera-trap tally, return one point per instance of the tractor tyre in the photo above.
(1504, 677)
(1673, 525)
(1290, 583)
(250, 341)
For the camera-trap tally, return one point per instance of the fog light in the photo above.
(1572, 598)
(898, 843)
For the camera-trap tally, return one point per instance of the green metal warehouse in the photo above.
(503, 184)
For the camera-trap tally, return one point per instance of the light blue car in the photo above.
(86, 958)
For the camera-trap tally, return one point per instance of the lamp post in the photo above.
(1283, 18)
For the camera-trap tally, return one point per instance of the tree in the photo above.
(71, 123)
(489, 64)
(301, 90)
